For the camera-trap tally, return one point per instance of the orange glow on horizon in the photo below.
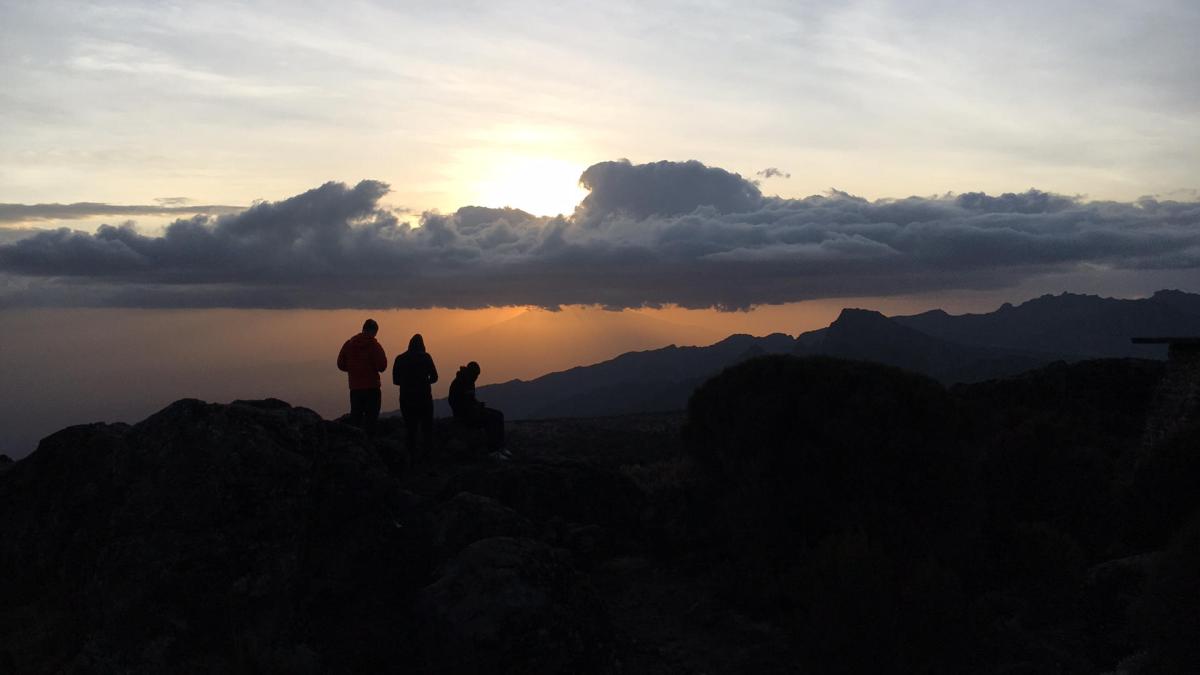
(225, 354)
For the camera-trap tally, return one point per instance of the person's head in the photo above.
(472, 369)
(416, 344)
(370, 327)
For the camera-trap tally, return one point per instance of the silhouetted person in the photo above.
(471, 411)
(363, 359)
(413, 371)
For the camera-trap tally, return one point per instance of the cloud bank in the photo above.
(19, 213)
(649, 234)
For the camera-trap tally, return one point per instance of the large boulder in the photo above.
(466, 518)
(513, 605)
(250, 536)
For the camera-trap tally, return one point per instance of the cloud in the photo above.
(772, 172)
(662, 189)
(652, 234)
(19, 213)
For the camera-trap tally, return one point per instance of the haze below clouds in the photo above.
(73, 366)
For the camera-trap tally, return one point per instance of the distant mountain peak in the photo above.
(1170, 293)
(858, 311)
(860, 317)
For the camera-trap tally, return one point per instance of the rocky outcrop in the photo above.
(208, 537)
(593, 511)
(572, 491)
(514, 605)
(466, 518)
(257, 537)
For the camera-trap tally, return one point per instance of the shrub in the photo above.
(1171, 606)
(819, 445)
(844, 504)
(1163, 492)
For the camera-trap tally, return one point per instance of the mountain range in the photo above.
(949, 348)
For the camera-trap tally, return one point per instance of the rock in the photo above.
(5, 462)
(250, 536)
(512, 605)
(572, 491)
(467, 518)
(457, 440)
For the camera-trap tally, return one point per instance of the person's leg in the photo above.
(356, 408)
(373, 399)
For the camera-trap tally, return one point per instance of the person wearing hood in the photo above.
(471, 411)
(362, 359)
(414, 372)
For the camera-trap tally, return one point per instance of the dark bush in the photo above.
(1058, 441)
(1039, 471)
(845, 505)
(1163, 493)
(821, 445)
(1171, 606)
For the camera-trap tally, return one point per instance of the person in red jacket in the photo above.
(362, 358)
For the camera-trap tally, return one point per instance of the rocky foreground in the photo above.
(807, 516)
(258, 537)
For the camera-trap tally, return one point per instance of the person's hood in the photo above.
(416, 344)
(362, 339)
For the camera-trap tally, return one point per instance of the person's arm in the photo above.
(432, 370)
(342, 357)
(396, 371)
(380, 358)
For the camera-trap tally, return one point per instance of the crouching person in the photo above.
(472, 412)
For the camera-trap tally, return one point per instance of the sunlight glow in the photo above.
(543, 186)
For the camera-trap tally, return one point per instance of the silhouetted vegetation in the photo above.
(1164, 493)
(849, 502)
(1171, 607)
(900, 527)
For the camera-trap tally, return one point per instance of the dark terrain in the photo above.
(806, 515)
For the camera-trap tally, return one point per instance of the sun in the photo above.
(543, 186)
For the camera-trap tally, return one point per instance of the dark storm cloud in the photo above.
(648, 234)
(17, 213)
(772, 172)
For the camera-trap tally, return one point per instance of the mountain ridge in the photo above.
(948, 347)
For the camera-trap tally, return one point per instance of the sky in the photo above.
(185, 187)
